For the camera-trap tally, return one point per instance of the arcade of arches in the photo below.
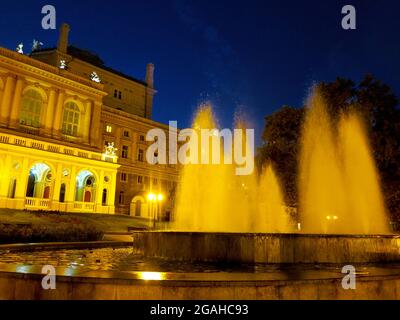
(37, 180)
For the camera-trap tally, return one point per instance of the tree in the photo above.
(281, 146)
(379, 107)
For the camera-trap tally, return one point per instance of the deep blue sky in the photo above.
(253, 56)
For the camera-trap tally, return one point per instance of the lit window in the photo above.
(140, 155)
(124, 154)
(71, 119)
(31, 108)
(108, 128)
(140, 179)
(123, 177)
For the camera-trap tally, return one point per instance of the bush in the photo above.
(58, 232)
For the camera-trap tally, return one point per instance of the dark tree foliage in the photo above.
(281, 147)
(377, 104)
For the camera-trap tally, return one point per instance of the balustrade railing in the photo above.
(54, 148)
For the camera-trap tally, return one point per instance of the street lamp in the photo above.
(155, 199)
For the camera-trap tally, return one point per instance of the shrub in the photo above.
(57, 232)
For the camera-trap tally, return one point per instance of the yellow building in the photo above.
(72, 135)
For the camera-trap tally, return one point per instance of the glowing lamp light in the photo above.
(151, 197)
(154, 276)
(155, 197)
(332, 217)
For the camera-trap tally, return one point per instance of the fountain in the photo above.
(225, 202)
(339, 187)
(232, 236)
(228, 218)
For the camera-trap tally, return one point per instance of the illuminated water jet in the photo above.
(212, 198)
(339, 188)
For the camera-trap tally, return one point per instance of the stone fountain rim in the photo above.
(276, 235)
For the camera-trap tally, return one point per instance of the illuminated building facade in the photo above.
(72, 135)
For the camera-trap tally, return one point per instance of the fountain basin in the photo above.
(267, 248)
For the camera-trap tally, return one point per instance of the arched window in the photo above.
(62, 193)
(138, 208)
(71, 119)
(31, 108)
(104, 198)
(121, 199)
(30, 190)
(46, 192)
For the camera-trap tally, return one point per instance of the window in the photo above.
(109, 128)
(138, 208)
(117, 94)
(126, 133)
(104, 197)
(140, 179)
(140, 155)
(31, 108)
(62, 193)
(124, 154)
(90, 182)
(71, 119)
(155, 181)
(141, 138)
(121, 198)
(123, 177)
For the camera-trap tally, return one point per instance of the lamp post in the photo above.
(155, 205)
(332, 222)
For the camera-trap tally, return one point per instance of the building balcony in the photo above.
(84, 206)
(54, 148)
(37, 204)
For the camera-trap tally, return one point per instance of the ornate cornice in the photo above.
(61, 77)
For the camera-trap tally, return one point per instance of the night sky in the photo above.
(248, 56)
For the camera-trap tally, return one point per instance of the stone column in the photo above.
(5, 177)
(112, 191)
(95, 125)
(49, 112)
(22, 182)
(58, 113)
(99, 193)
(6, 103)
(1, 90)
(86, 123)
(16, 105)
(70, 198)
(55, 205)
